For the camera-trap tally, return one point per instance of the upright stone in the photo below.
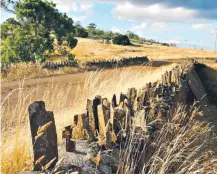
(102, 126)
(97, 101)
(114, 101)
(70, 144)
(90, 115)
(44, 136)
(170, 77)
(197, 88)
(105, 126)
(122, 98)
(131, 94)
(80, 130)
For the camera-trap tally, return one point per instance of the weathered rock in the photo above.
(80, 130)
(97, 101)
(91, 121)
(114, 101)
(197, 88)
(44, 136)
(70, 144)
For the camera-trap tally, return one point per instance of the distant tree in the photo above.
(165, 44)
(172, 44)
(108, 35)
(91, 28)
(132, 36)
(121, 40)
(80, 31)
(99, 33)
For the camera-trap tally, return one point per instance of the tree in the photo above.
(80, 31)
(108, 35)
(38, 24)
(132, 36)
(91, 29)
(121, 40)
(91, 26)
(99, 32)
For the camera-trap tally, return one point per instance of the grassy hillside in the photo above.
(88, 49)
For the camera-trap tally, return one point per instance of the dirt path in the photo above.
(63, 81)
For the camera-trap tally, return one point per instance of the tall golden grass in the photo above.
(16, 141)
(33, 70)
(182, 145)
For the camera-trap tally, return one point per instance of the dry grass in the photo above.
(88, 49)
(183, 145)
(30, 70)
(16, 141)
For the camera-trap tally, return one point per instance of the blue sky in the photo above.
(184, 22)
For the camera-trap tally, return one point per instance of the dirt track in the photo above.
(61, 80)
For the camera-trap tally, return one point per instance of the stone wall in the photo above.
(112, 63)
(107, 122)
(156, 101)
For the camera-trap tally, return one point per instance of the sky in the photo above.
(188, 23)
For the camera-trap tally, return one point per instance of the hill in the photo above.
(88, 49)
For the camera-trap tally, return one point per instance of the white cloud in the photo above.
(159, 26)
(201, 26)
(155, 12)
(116, 30)
(76, 6)
(140, 27)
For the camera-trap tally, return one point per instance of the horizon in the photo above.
(189, 24)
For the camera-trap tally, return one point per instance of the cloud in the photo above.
(140, 27)
(155, 12)
(159, 26)
(201, 26)
(205, 9)
(115, 30)
(190, 4)
(76, 6)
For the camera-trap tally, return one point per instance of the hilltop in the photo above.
(88, 49)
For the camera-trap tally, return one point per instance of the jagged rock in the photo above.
(91, 121)
(80, 130)
(44, 136)
(197, 88)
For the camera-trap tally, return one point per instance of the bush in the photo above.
(81, 32)
(165, 44)
(121, 40)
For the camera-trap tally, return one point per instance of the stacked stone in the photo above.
(111, 63)
(155, 99)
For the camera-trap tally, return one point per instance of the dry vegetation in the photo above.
(16, 142)
(84, 52)
(182, 145)
(88, 49)
(31, 70)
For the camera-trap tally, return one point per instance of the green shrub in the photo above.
(121, 40)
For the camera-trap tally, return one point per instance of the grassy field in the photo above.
(66, 95)
(64, 99)
(88, 49)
